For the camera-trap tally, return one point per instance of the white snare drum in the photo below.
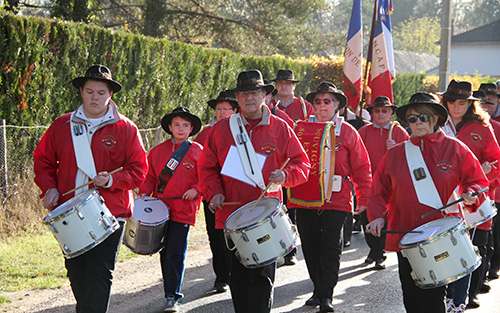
(145, 230)
(441, 254)
(260, 235)
(81, 223)
(486, 211)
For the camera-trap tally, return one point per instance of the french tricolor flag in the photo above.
(353, 57)
(382, 71)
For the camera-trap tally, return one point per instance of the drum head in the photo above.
(151, 212)
(71, 203)
(247, 216)
(431, 230)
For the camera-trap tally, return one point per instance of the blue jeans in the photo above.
(172, 258)
(459, 290)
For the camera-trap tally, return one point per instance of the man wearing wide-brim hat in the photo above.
(256, 129)
(85, 145)
(493, 100)
(295, 108)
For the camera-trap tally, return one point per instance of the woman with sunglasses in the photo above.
(394, 198)
(320, 227)
(469, 123)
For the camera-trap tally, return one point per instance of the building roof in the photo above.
(489, 33)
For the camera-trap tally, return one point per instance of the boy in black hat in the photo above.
(173, 174)
(88, 144)
(492, 98)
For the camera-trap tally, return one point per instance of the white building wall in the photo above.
(475, 58)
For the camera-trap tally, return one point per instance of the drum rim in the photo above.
(460, 221)
(484, 220)
(257, 223)
(89, 197)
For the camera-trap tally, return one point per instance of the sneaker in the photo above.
(460, 308)
(171, 305)
(220, 287)
(450, 307)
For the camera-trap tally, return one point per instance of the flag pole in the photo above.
(368, 62)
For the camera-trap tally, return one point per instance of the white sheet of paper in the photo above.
(233, 167)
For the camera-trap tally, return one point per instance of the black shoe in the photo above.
(473, 304)
(369, 260)
(378, 263)
(346, 244)
(220, 287)
(485, 288)
(325, 305)
(493, 274)
(313, 301)
(290, 260)
(356, 227)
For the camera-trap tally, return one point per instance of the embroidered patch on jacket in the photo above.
(476, 136)
(268, 149)
(109, 141)
(188, 165)
(444, 166)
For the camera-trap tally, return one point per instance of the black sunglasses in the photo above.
(412, 118)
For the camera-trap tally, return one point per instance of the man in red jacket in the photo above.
(270, 136)
(114, 142)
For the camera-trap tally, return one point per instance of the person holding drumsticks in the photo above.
(270, 136)
(395, 199)
(113, 141)
(469, 123)
(320, 222)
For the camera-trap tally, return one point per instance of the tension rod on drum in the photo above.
(90, 182)
(455, 202)
(268, 185)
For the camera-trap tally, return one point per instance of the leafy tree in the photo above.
(418, 35)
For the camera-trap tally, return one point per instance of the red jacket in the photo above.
(295, 109)
(496, 130)
(185, 177)
(281, 114)
(271, 137)
(481, 141)
(450, 163)
(353, 164)
(202, 136)
(113, 145)
(374, 139)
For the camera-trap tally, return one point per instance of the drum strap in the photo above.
(83, 154)
(168, 170)
(333, 143)
(246, 151)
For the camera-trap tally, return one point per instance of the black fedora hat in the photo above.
(426, 99)
(330, 88)
(223, 96)
(481, 94)
(98, 72)
(251, 80)
(489, 89)
(183, 112)
(459, 90)
(381, 102)
(285, 75)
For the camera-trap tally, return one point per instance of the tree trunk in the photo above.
(154, 14)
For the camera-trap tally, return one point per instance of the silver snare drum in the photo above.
(81, 223)
(145, 230)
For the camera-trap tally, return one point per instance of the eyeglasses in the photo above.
(252, 93)
(224, 109)
(412, 118)
(383, 111)
(326, 101)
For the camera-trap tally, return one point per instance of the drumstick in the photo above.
(494, 162)
(268, 185)
(455, 202)
(90, 182)
(167, 198)
(230, 203)
(402, 231)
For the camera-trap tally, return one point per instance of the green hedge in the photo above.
(405, 86)
(40, 57)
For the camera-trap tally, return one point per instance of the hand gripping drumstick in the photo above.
(268, 185)
(454, 202)
(90, 182)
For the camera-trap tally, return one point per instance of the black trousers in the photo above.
(320, 235)
(495, 258)
(376, 244)
(91, 274)
(220, 261)
(416, 299)
(252, 290)
(480, 240)
(292, 215)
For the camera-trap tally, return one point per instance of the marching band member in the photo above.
(320, 222)
(224, 105)
(379, 137)
(394, 197)
(251, 289)
(469, 123)
(113, 141)
(172, 174)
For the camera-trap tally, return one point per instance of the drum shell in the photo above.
(443, 258)
(81, 223)
(144, 237)
(264, 241)
(485, 212)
